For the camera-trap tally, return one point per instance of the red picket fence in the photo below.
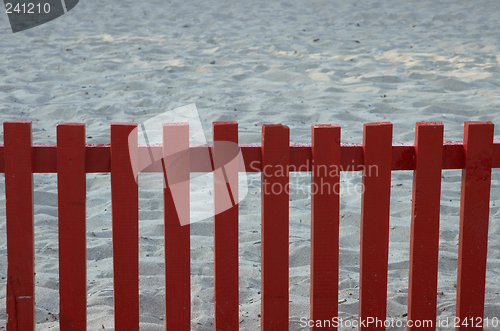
(71, 159)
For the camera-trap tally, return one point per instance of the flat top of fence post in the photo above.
(6, 122)
(69, 124)
(224, 123)
(377, 124)
(477, 122)
(319, 126)
(123, 123)
(428, 124)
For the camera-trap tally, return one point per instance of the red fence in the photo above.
(71, 159)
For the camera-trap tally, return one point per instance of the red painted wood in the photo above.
(71, 188)
(125, 221)
(424, 239)
(275, 227)
(325, 189)
(98, 158)
(44, 158)
(177, 242)
(375, 206)
(225, 227)
(100, 154)
(453, 154)
(474, 217)
(20, 226)
(351, 157)
(495, 161)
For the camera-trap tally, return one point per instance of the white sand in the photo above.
(126, 61)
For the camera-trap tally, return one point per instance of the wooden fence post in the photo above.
(474, 218)
(325, 190)
(225, 134)
(125, 219)
(176, 172)
(275, 227)
(375, 207)
(20, 226)
(72, 195)
(424, 240)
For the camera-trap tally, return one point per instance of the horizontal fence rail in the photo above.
(98, 157)
(275, 158)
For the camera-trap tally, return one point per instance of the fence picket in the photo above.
(424, 240)
(72, 196)
(225, 227)
(325, 188)
(375, 206)
(474, 218)
(20, 226)
(274, 227)
(125, 223)
(176, 213)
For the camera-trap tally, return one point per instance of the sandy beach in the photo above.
(297, 63)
